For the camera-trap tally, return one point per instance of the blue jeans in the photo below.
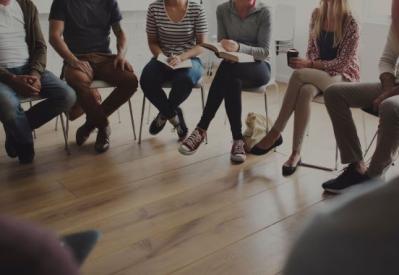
(59, 97)
(155, 74)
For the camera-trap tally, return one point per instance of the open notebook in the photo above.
(183, 65)
(231, 56)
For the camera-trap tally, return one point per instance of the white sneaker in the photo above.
(238, 152)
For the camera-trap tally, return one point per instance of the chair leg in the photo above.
(203, 107)
(371, 143)
(267, 112)
(364, 128)
(34, 131)
(203, 98)
(149, 114)
(65, 130)
(119, 116)
(132, 119)
(56, 124)
(336, 156)
(141, 119)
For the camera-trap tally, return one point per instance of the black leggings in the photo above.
(229, 81)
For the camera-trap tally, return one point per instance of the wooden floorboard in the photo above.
(163, 213)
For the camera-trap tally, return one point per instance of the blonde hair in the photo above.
(340, 11)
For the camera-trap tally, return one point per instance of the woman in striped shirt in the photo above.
(175, 28)
(243, 26)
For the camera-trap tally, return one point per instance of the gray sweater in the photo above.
(253, 33)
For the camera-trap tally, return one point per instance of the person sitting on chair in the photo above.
(383, 99)
(175, 29)
(332, 56)
(79, 32)
(23, 74)
(243, 26)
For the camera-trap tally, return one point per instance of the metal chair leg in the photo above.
(141, 119)
(203, 107)
(132, 119)
(119, 116)
(371, 143)
(56, 124)
(336, 156)
(267, 113)
(34, 131)
(65, 130)
(149, 114)
(202, 98)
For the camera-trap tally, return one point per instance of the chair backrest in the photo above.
(99, 84)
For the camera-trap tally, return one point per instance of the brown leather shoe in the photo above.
(102, 141)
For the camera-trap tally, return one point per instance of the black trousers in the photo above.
(228, 83)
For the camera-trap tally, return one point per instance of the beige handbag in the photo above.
(256, 129)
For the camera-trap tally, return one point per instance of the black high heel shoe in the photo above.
(259, 151)
(290, 170)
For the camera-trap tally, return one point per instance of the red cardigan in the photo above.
(347, 61)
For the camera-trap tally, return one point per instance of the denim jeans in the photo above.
(58, 97)
(155, 74)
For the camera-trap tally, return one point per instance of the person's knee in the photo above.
(389, 110)
(149, 82)
(77, 79)
(332, 95)
(307, 92)
(296, 75)
(129, 83)
(9, 111)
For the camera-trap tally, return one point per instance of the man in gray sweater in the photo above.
(382, 99)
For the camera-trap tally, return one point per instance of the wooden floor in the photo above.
(163, 213)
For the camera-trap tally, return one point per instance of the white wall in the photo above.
(125, 5)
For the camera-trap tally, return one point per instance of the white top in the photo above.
(389, 58)
(176, 37)
(13, 47)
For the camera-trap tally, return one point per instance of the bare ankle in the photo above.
(361, 167)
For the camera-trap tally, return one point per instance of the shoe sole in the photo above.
(333, 191)
(237, 160)
(186, 153)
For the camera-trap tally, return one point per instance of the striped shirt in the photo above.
(176, 37)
